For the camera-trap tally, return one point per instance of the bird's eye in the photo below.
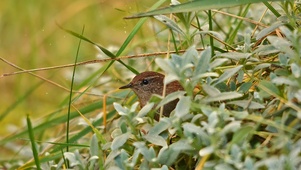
(145, 81)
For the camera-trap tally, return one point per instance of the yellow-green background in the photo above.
(30, 38)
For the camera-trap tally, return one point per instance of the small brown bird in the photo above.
(148, 83)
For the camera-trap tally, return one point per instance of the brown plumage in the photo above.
(147, 83)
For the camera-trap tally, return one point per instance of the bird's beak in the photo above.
(126, 86)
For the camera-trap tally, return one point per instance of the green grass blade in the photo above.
(85, 131)
(33, 145)
(104, 50)
(234, 32)
(136, 28)
(272, 9)
(71, 90)
(57, 121)
(197, 5)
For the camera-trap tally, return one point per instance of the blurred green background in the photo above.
(30, 38)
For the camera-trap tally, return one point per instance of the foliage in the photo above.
(241, 108)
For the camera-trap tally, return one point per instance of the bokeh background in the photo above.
(30, 38)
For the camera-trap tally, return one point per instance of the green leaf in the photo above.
(120, 140)
(222, 96)
(169, 23)
(227, 74)
(171, 97)
(34, 147)
(247, 104)
(282, 44)
(245, 87)
(269, 87)
(261, 66)
(94, 146)
(161, 126)
(234, 55)
(167, 156)
(202, 64)
(241, 134)
(206, 151)
(296, 70)
(121, 110)
(148, 154)
(285, 80)
(217, 62)
(156, 139)
(190, 128)
(264, 32)
(182, 107)
(145, 110)
(210, 90)
(196, 5)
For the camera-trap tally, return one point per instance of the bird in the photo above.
(148, 83)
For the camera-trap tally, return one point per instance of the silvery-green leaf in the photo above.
(71, 157)
(281, 44)
(283, 59)
(295, 70)
(266, 50)
(146, 109)
(183, 106)
(120, 109)
(94, 146)
(234, 55)
(222, 96)
(134, 107)
(181, 145)
(190, 128)
(167, 156)
(227, 74)
(261, 66)
(240, 76)
(120, 140)
(264, 32)
(189, 56)
(156, 139)
(170, 78)
(93, 158)
(267, 85)
(210, 90)
(247, 104)
(217, 62)
(212, 121)
(165, 65)
(223, 166)
(241, 134)
(116, 132)
(121, 159)
(162, 125)
(112, 155)
(203, 61)
(231, 127)
(169, 23)
(206, 151)
(285, 31)
(148, 154)
(285, 80)
(174, 2)
(245, 87)
(171, 97)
